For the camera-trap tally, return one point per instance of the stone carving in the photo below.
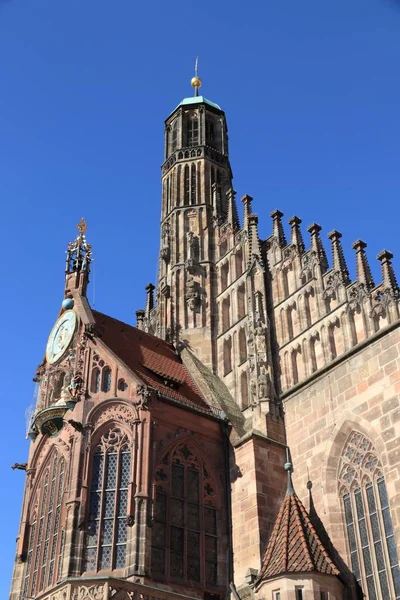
(144, 395)
(94, 592)
(359, 459)
(166, 242)
(332, 284)
(263, 384)
(192, 294)
(382, 300)
(59, 595)
(357, 295)
(114, 440)
(76, 385)
(117, 412)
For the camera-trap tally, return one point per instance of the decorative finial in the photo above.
(82, 227)
(196, 81)
(289, 468)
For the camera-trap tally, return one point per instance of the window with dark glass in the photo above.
(106, 538)
(106, 380)
(210, 133)
(186, 184)
(369, 529)
(174, 136)
(193, 185)
(192, 131)
(95, 381)
(185, 520)
(44, 550)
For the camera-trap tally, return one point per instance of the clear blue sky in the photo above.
(312, 95)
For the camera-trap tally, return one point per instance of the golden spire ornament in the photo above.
(196, 81)
(82, 227)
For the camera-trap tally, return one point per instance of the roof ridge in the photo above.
(141, 331)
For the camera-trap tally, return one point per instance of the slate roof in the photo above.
(153, 360)
(294, 545)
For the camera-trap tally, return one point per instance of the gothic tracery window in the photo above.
(45, 549)
(369, 529)
(185, 520)
(193, 131)
(107, 523)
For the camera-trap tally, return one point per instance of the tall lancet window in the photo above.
(184, 533)
(193, 131)
(369, 528)
(44, 547)
(186, 185)
(193, 185)
(107, 523)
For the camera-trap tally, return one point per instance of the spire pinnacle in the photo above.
(196, 81)
(79, 257)
(289, 469)
(363, 270)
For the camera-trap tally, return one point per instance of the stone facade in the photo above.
(156, 463)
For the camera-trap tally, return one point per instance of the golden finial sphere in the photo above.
(195, 82)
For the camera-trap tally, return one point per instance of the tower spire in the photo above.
(77, 264)
(196, 81)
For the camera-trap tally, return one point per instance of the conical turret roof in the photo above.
(294, 545)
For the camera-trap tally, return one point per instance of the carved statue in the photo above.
(75, 387)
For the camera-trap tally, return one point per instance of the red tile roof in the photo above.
(294, 545)
(154, 361)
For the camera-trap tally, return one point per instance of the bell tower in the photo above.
(197, 197)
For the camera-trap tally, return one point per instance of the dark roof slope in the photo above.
(154, 361)
(294, 546)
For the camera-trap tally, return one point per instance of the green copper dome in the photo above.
(198, 100)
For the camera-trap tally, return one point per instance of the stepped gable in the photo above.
(153, 360)
(294, 546)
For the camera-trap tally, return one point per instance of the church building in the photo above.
(242, 440)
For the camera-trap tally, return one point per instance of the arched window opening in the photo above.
(224, 276)
(44, 549)
(95, 380)
(242, 346)
(193, 185)
(223, 248)
(106, 380)
(238, 263)
(227, 356)
(210, 133)
(193, 131)
(122, 385)
(241, 301)
(368, 522)
(186, 185)
(226, 317)
(178, 186)
(244, 390)
(107, 523)
(174, 136)
(295, 370)
(185, 520)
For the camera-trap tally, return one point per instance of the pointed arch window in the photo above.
(184, 533)
(45, 552)
(193, 131)
(193, 185)
(106, 539)
(369, 528)
(186, 183)
(106, 379)
(95, 381)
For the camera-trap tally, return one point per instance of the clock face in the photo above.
(61, 336)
